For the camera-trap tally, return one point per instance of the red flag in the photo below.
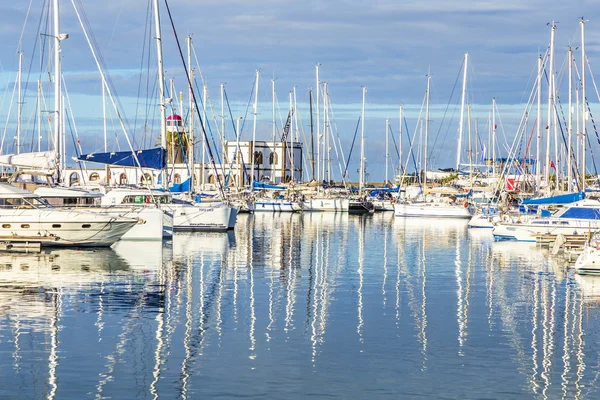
(552, 165)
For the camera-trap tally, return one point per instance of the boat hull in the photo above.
(63, 227)
(201, 218)
(328, 204)
(274, 205)
(432, 210)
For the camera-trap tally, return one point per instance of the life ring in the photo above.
(147, 199)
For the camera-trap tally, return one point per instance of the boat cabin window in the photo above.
(133, 199)
(30, 202)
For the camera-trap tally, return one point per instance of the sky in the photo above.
(387, 46)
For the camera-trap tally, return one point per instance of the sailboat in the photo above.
(361, 204)
(436, 202)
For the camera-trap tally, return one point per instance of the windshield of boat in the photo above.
(20, 202)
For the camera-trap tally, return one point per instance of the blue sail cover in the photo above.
(150, 158)
(260, 185)
(182, 187)
(562, 199)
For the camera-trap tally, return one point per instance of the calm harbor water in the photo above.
(288, 306)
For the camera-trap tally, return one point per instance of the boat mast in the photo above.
(400, 142)
(161, 88)
(550, 103)
(312, 135)
(255, 108)
(39, 114)
(538, 170)
(462, 110)
(291, 136)
(426, 131)
(387, 150)
(274, 129)
(583, 106)
(19, 102)
(318, 126)
(470, 146)
(494, 139)
(204, 127)
(325, 158)
(362, 142)
(57, 87)
(191, 108)
(296, 137)
(223, 150)
(570, 126)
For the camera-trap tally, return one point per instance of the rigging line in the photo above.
(412, 154)
(237, 135)
(210, 152)
(206, 121)
(351, 148)
(446, 110)
(139, 88)
(20, 43)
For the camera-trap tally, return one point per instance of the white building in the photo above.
(273, 163)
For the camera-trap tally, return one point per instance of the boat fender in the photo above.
(147, 199)
(466, 204)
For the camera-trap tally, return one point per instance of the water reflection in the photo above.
(351, 304)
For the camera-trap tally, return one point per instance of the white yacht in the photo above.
(440, 203)
(153, 223)
(579, 217)
(276, 205)
(25, 217)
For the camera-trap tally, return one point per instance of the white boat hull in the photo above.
(201, 218)
(588, 261)
(275, 205)
(431, 210)
(328, 204)
(66, 227)
(383, 205)
(149, 227)
(526, 232)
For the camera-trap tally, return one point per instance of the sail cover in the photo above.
(260, 185)
(149, 158)
(561, 199)
(43, 160)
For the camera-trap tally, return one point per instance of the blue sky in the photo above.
(387, 46)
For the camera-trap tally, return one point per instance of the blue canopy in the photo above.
(183, 187)
(260, 185)
(150, 158)
(562, 199)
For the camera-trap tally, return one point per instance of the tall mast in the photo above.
(318, 126)
(325, 154)
(255, 108)
(291, 135)
(223, 154)
(312, 136)
(274, 128)
(400, 141)
(191, 108)
(470, 147)
(296, 136)
(494, 139)
(462, 110)
(538, 169)
(57, 87)
(550, 103)
(204, 127)
(362, 142)
(570, 117)
(387, 149)
(39, 114)
(19, 103)
(161, 87)
(584, 113)
(426, 129)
